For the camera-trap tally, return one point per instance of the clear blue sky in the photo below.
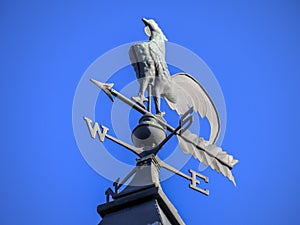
(251, 46)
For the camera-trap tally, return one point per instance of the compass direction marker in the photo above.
(96, 129)
(192, 178)
(102, 134)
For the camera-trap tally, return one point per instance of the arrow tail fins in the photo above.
(208, 154)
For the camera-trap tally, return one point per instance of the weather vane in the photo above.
(182, 93)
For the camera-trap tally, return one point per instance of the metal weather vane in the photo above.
(183, 94)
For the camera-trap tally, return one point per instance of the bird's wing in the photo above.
(138, 55)
(191, 94)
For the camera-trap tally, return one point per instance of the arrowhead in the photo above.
(105, 87)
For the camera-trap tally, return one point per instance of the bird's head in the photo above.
(152, 27)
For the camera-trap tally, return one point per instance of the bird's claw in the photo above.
(140, 101)
(161, 114)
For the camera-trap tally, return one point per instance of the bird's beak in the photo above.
(146, 22)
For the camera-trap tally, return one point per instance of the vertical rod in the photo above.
(149, 97)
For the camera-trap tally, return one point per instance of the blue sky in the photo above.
(251, 46)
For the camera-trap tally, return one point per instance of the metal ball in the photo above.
(148, 133)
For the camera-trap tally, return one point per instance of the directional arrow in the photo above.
(107, 88)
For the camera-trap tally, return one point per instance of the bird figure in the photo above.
(181, 92)
(148, 61)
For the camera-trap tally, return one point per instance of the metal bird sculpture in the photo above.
(148, 61)
(181, 91)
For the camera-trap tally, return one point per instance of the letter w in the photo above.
(96, 129)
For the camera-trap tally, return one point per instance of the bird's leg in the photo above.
(157, 105)
(140, 99)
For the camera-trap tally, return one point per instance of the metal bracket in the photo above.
(186, 120)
